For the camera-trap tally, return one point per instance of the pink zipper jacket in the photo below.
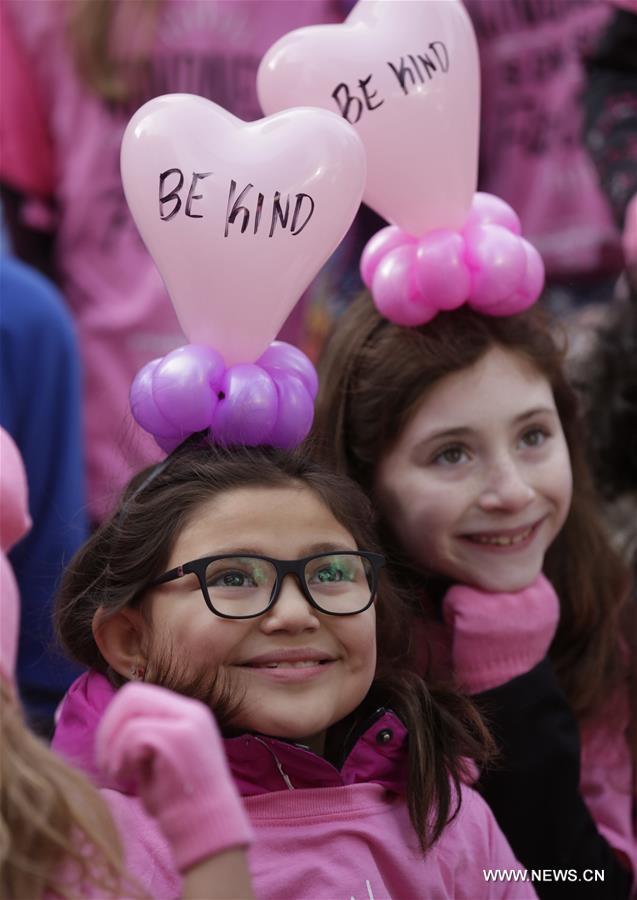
(321, 832)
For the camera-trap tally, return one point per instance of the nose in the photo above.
(291, 612)
(506, 488)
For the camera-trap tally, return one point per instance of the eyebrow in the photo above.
(310, 550)
(463, 430)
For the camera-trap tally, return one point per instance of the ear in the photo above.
(121, 639)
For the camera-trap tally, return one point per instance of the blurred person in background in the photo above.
(533, 154)
(40, 406)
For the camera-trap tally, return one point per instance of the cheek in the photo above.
(359, 638)
(562, 486)
(193, 637)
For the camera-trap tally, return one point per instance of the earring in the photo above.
(137, 673)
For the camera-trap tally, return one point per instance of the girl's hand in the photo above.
(168, 749)
(496, 637)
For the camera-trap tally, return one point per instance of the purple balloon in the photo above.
(487, 209)
(185, 386)
(394, 291)
(247, 412)
(284, 358)
(295, 413)
(167, 444)
(441, 274)
(143, 406)
(378, 247)
(497, 260)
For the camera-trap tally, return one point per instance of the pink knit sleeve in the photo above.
(608, 780)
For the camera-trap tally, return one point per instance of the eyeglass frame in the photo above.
(283, 567)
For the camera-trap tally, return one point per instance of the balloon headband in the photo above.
(407, 77)
(238, 217)
(486, 264)
(190, 390)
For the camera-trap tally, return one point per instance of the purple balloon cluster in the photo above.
(189, 390)
(486, 264)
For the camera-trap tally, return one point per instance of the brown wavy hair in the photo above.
(56, 834)
(374, 375)
(131, 548)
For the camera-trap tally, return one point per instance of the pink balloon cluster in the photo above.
(486, 264)
(267, 402)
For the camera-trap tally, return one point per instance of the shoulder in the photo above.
(32, 304)
(474, 836)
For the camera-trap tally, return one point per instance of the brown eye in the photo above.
(451, 456)
(534, 437)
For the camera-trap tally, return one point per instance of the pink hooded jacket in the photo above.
(320, 832)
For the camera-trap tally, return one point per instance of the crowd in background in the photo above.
(83, 307)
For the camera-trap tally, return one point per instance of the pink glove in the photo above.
(496, 637)
(169, 747)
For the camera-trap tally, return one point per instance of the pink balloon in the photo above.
(378, 247)
(143, 406)
(487, 209)
(185, 386)
(441, 273)
(394, 291)
(295, 411)
(530, 287)
(239, 217)
(288, 359)
(407, 77)
(497, 261)
(14, 494)
(247, 413)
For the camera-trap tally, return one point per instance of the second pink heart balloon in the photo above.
(406, 74)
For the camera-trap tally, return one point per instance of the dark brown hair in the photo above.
(133, 546)
(374, 375)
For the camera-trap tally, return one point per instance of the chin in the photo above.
(504, 583)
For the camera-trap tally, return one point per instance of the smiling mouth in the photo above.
(298, 664)
(509, 539)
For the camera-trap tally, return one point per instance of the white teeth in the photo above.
(501, 540)
(301, 664)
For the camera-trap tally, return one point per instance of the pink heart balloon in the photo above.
(239, 217)
(406, 75)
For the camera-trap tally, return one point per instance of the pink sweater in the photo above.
(532, 60)
(320, 832)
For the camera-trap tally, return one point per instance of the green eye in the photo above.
(230, 579)
(333, 573)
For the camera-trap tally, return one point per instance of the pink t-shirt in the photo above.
(532, 58)
(120, 306)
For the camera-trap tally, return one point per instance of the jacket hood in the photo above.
(259, 764)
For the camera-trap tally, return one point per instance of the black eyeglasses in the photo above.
(244, 587)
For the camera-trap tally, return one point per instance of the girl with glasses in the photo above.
(58, 837)
(250, 580)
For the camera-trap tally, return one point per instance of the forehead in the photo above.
(500, 386)
(273, 521)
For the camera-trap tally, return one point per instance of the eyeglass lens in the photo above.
(243, 586)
